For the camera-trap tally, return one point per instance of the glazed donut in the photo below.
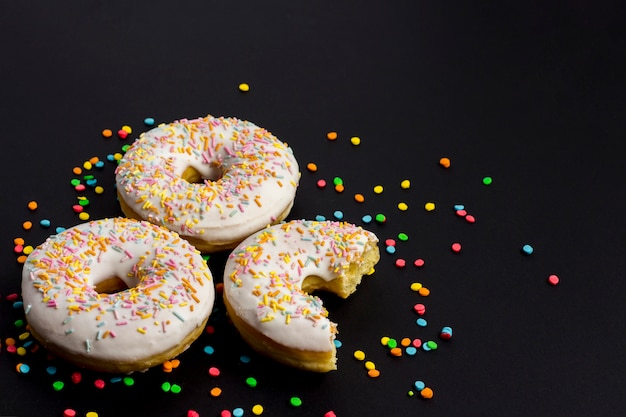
(268, 278)
(214, 181)
(116, 295)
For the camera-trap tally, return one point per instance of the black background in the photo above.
(531, 93)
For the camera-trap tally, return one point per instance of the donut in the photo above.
(269, 277)
(212, 180)
(116, 295)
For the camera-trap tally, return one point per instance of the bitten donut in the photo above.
(268, 279)
(214, 181)
(116, 295)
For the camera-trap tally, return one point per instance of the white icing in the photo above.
(171, 290)
(250, 178)
(264, 274)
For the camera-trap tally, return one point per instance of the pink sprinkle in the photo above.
(390, 242)
(419, 308)
(417, 343)
(12, 297)
(400, 263)
(193, 413)
(553, 279)
(470, 219)
(419, 263)
(76, 377)
(461, 213)
(69, 413)
(99, 383)
(213, 371)
(456, 247)
(330, 414)
(225, 413)
(321, 183)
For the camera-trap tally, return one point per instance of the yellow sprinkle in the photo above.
(27, 250)
(359, 355)
(141, 330)
(127, 129)
(416, 286)
(87, 165)
(430, 206)
(91, 414)
(355, 140)
(403, 206)
(99, 189)
(405, 184)
(83, 216)
(384, 340)
(257, 409)
(243, 87)
(369, 365)
(378, 189)
(21, 351)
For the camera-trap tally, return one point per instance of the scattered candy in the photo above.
(403, 206)
(378, 189)
(419, 262)
(553, 279)
(359, 198)
(32, 205)
(456, 247)
(331, 135)
(148, 121)
(487, 180)
(430, 206)
(446, 333)
(444, 162)
(311, 167)
(244, 87)
(405, 184)
(295, 401)
(215, 392)
(355, 140)
(257, 409)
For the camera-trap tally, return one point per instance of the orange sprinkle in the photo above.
(444, 162)
(21, 259)
(359, 198)
(32, 205)
(331, 135)
(175, 363)
(405, 342)
(94, 160)
(373, 373)
(9, 341)
(18, 241)
(107, 133)
(339, 188)
(77, 170)
(167, 366)
(424, 292)
(427, 393)
(396, 351)
(27, 225)
(216, 392)
(311, 167)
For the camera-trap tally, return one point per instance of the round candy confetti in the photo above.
(419, 262)
(148, 121)
(359, 198)
(378, 189)
(243, 87)
(107, 133)
(295, 401)
(58, 385)
(430, 206)
(257, 409)
(403, 206)
(321, 183)
(427, 393)
(553, 279)
(338, 214)
(527, 250)
(331, 135)
(405, 184)
(311, 167)
(251, 382)
(366, 219)
(359, 355)
(213, 371)
(380, 218)
(355, 140)
(421, 322)
(456, 247)
(32, 205)
(446, 333)
(215, 392)
(419, 308)
(487, 180)
(444, 162)
(68, 412)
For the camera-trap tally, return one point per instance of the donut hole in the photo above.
(110, 285)
(193, 176)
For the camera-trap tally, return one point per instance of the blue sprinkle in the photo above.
(244, 359)
(459, 207)
(391, 249)
(411, 350)
(24, 369)
(425, 347)
(209, 350)
(99, 164)
(366, 219)
(110, 157)
(116, 379)
(51, 370)
(320, 218)
(59, 229)
(44, 223)
(419, 385)
(238, 412)
(527, 249)
(27, 344)
(337, 343)
(338, 214)
(18, 304)
(148, 121)
(91, 182)
(421, 322)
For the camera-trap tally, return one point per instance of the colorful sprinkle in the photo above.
(444, 162)
(405, 184)
(355, 140)
(257, 409)
(244, 87)
(430, 206)
(527, 250)
(311, 167)
(487, 180)
(553, 279)
(331, 135)
(456, 247)
(295, 401)
(378, 189)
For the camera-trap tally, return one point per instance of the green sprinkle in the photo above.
(337, 181)
(166, 386)
(251, 381)
(19, 323)
(58, 385)
(75, 182)
(392, 343)
(432, 344)
(128, 381)
(487, 180)
(403, 237)
(295, 401)
(380, 218)
(176, 389)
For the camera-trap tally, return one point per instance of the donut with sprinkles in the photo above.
(269, 278)
(213, 180)
(116, 295)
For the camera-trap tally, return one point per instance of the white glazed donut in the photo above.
(214, 181)
(116, 295)
(268, 278)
